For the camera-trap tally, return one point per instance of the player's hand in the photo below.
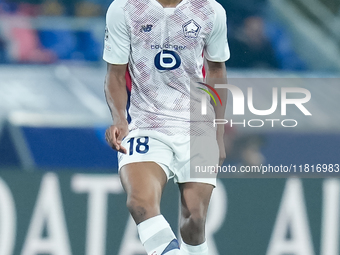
(221, 146)
(115, 134)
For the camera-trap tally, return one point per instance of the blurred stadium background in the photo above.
(59, 190)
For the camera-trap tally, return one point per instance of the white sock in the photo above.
(187, 249)
(157, 237)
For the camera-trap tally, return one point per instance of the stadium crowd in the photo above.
(255, 42)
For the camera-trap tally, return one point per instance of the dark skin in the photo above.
(144, 181)
(169, 3)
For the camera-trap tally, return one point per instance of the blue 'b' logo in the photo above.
(167, 60)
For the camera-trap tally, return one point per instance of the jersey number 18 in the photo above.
(142, 147)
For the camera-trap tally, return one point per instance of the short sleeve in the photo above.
(117, 39)
(217, 48)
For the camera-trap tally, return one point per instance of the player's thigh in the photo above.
(143, 181)
(195, 198)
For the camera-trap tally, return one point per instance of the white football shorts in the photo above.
(183, 158)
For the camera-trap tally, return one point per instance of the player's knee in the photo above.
(196, 219)
(192, 227)
(140, 208)
(197, 223)
(136, 205)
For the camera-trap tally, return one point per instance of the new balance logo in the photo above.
(146, 28)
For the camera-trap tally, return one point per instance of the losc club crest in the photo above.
(191, 29)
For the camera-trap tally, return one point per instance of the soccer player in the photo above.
(163, 44)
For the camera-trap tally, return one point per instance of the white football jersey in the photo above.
(164, 49)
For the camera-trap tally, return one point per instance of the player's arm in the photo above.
(116, 98)
(116, 54)
(216, 52)
(216, 72)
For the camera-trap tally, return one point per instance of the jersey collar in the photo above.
(159, 4)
